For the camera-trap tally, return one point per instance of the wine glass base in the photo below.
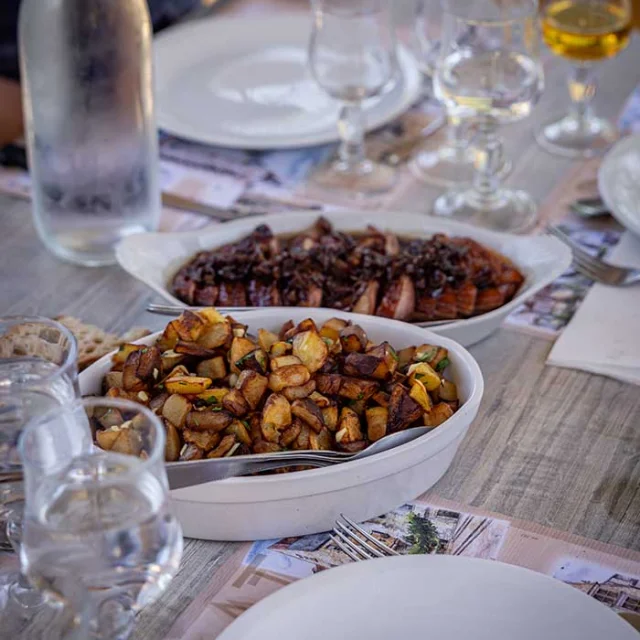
(444, 167)
(508, 211)
(366, 178)
(574, 138)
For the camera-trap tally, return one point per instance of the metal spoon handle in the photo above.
(186, 474)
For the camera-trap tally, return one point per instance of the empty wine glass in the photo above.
(352, 56)
(98, 533)
(38, 371)
(452, 161)
(494, 76)
(584, 32)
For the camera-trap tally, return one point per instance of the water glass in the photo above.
(99, 536)
(452, 161)
(352, 56)
(38, 372)
(493, 75)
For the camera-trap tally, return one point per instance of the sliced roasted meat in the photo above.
(446, 305)
(367, 301)
(263, 294)
(399, 299)
(374, 272)
(489, 299)
(232, 294)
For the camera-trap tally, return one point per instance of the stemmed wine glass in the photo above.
(494, 76)
(452, 161)
(38, 372)
(98, 532)
(584, 32)
(352, 56)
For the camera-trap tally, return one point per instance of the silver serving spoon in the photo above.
(188, 474)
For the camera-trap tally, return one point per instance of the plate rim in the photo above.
(409, 93)
(607, 177)
(283, 597)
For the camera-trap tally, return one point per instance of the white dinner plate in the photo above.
(244, 83)
(423, 597)
(154, 258)
(306, 502)
(619, 182)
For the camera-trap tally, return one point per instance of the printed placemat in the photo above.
(428, 525)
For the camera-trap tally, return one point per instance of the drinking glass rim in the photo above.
(71, 361)
(157, 451)
(454, 8)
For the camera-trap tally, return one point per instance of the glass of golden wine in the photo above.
(584, 32)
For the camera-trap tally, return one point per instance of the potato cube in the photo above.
(290, 376)
(235, 403)
(216, 335)
(266, 339)
(213, 368)
(295, 393)
(311, 349)
(252, 386)
(225, 448)
(309, 412)
(376, 423)
(284, 361)
(349, 427)
(208, 420)
(173, 445)
(205, 440)
(424, 373)
(187, 385)
(419, 394)
(175, 410)
(353, 339)
(438, 414)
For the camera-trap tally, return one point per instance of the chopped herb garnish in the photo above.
(245, 423)
(327, 341)
(211, 400)
(443, 364)
(360, 396)
(393, 353)
(160, 387)
(428, 355)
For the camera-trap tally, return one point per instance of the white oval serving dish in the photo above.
(306, 502)
(153, 258)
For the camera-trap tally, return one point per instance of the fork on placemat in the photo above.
(356, 542)
(594, 267)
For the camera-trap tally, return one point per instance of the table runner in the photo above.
(430, 524)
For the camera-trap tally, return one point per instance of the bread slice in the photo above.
(93, 342)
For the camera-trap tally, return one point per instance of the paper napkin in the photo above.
(604, 335)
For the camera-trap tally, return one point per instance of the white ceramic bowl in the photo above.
(154, 258)
(308, 502)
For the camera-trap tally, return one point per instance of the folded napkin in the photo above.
(604, 335)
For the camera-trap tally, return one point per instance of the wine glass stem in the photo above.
(489, 161)
(351, 152)
(456, 135)
(582, 90)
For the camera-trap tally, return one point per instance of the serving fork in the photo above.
(356, 542)
(194, 472)
(594, 267)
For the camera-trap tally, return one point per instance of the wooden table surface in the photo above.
(554, 446)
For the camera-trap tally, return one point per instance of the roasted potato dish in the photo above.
(221, 391)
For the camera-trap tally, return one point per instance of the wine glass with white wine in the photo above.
(494, 76)
(584, 32)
